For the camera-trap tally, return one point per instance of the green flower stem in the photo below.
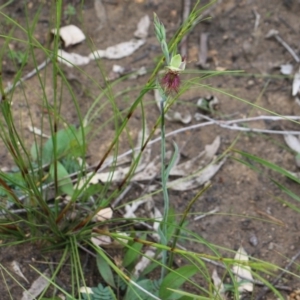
(164, 180)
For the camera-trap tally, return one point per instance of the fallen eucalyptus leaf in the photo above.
(151, 170)
(196, 180)
(37, 131)
(16, 268)
(103, 215)
(70, 35)
(118, 51)
(297, 159)
(86, 290)
(177, 116)
(219, 289)
(157, 216)
(101, 240)
(242, 271)
(296, 84)
(106, 241)
(133, 206)
(142, 27)
(144, 262)
(111, 176)
(37, 287)
(119, 241)
(191, 166)
(72, 59)
(293, 142)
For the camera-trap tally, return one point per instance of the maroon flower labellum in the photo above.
(171, 80)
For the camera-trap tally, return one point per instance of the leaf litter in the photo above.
(242, 271)
(296, 84)
(37, 287)
(16, 268)
(219, 289)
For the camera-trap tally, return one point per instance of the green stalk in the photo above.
(164, 179)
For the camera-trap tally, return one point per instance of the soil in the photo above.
(251, 210)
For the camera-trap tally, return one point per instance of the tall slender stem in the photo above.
(164, 179)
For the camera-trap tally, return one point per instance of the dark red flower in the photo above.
(171, 81)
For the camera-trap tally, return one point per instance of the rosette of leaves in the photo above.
(69, 145)
(100, 293)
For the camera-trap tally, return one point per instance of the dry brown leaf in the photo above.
(86, 290)
(296, 83)
(16, 268)
(101, 240)
(242, 271)
(191, 166)
(106, 241)
(219, 289)
(37, 131)
(293, 142)
(72, 59)
(37, 287)
(118, 51)
(144, 262)
(133, 206)
(196, 180)
(103, 215)
(111, 176)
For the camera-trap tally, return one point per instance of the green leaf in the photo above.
(34, 151)
(172, 223)
(267, 164)
(65, 184)
(105, 271)
(176, 61)
(102, 293)
(68, 141)
(189, 296)
(174, 280)
(134, 293)
(133, 253)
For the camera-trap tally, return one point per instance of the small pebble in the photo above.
(253, 240)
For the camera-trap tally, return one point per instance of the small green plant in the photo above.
(17, 56)
(69, 12)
